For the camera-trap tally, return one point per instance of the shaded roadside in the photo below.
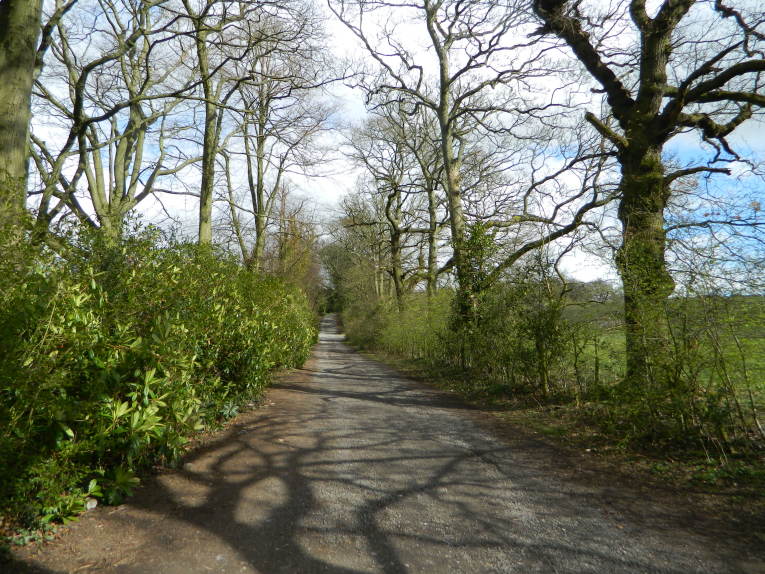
(350, 467)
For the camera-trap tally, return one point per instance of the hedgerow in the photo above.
(111, 359)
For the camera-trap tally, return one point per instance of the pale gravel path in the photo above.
(350, 468)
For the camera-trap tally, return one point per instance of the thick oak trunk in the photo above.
(643, 269)
(260, 204)
(395, 265)
(208, 175)
(465, 291)
(453, 183)
(19, 28)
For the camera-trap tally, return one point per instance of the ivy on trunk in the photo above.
(648, 113)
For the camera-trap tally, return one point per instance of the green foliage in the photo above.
(520, 342)
(536, 340)
(110, 360)
(419, 331)
(480, 247)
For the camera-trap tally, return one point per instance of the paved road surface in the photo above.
(350, 468)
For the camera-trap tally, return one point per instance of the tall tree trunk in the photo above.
(19, 28)
(644, 195)
(255, 184)
(380, 272)
(259, 249)
(283, 230)
(208, 175)
(210, 144)
(465, 295)
(235, 222)
(432, 270)
(642, 266)
(453, 185)
(261, 209)
(452, 175)
(395, 265)
(393, 215)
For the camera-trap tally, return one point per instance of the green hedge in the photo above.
(111, 359)
(538, 345)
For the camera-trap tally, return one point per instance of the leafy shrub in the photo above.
(538, 339)
(521, 342)
(112, 358)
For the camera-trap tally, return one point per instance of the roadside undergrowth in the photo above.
(113, 358)
(550, 359)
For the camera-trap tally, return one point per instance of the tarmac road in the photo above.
(351, 468)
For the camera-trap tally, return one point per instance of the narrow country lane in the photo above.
(350, 468)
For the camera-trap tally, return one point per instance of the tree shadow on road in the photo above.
(338, 478)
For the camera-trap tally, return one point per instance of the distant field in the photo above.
(722, 337)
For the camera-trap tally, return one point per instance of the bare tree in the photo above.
(211, 23)
(419, 133)
(386, 164)
(279, 119)
(686, 67)
(468, 39)
(361, 269)
(293, 247)
(402, 171)
(471, 85)
(235, 43)
(125, 100)
(100, 107)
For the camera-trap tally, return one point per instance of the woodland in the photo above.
(505, 148)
